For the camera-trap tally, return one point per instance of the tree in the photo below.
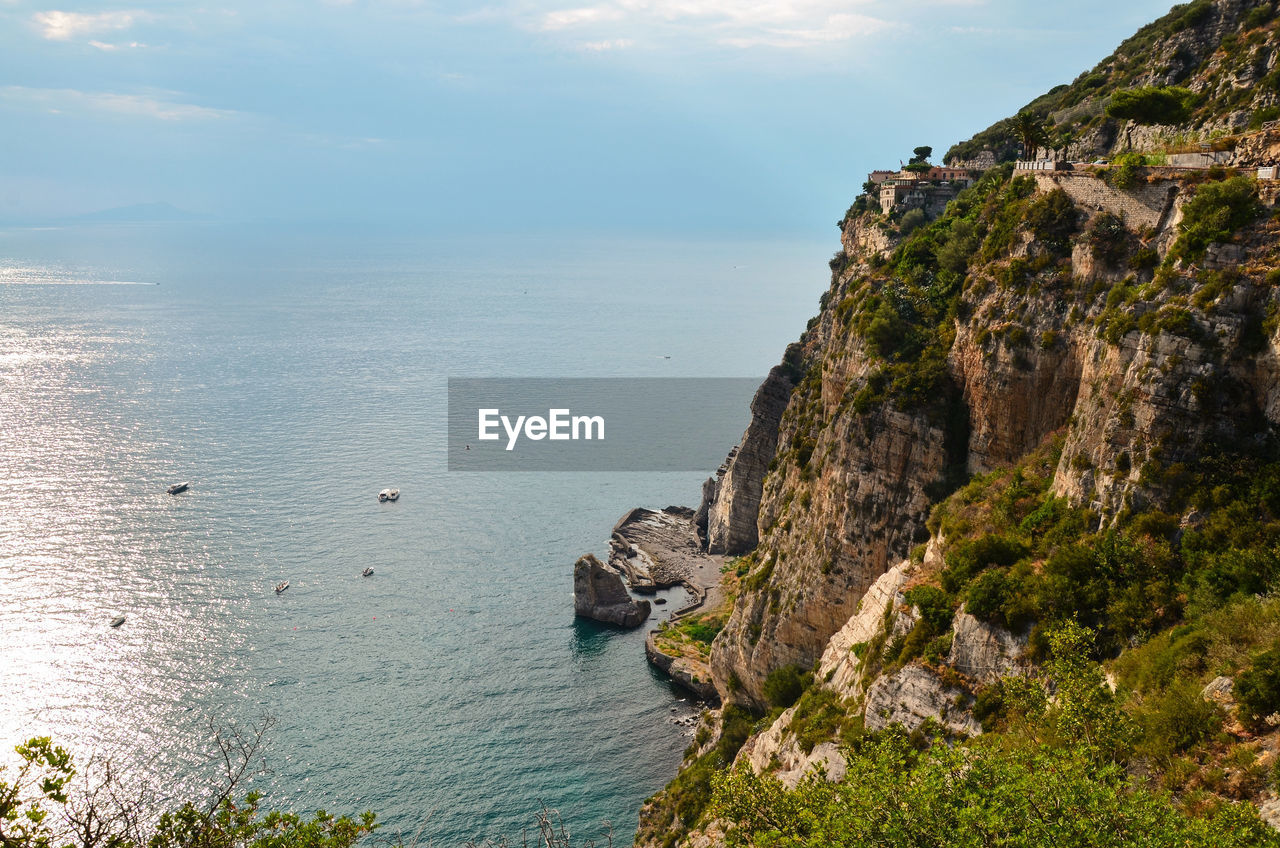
(1150, 105)
(922, 154)
(49, 803)
(1030, 132)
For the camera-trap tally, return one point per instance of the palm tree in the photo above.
(1031, 132)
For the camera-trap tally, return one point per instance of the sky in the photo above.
(716, 117)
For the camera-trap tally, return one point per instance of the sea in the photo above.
(290, 374)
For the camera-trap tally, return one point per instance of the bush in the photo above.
(912, 219)
(1176, 720)
(988, 595)
(1144, 259)
(1108, 238)
(735, 728)
(784, 686)
(1262, 116)
(1008, 792)
(1053, 218)
(1125, 175)
(1151, 105)
(703, 631)
(41, 806)
(967, 558)
(935, 607)
(1259, 16)
(1257, 690)
(1215, 213)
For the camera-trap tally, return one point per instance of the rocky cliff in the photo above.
(1222, 51)
(1048, 405)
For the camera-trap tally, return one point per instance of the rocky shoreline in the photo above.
(652, 550)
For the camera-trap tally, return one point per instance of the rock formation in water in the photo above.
(600, 593)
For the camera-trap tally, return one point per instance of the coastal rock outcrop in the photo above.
(842, 661)
(915, 694)
(984, 652)
(776, 751)
(599, 593)
(734, 503)
(684, 671)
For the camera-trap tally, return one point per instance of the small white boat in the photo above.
(280, 587)
(117, 621)
(368, 572)
(389, 495)
(178, 488)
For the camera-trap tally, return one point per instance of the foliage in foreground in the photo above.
(978, 795)
(1056, 779)
(47, 803)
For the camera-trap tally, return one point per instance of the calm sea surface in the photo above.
(290, 377)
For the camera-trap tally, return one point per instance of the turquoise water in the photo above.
(290, 377)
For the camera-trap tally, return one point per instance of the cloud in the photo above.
(106, 47)
(607, 44)
(565, 18)
(63, 26)
(70, 100)
(835, 28)
(731, 23)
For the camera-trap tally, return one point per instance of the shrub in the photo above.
(784, 686)
(1176, 720)
(934, 605)
(703, 631)
(1151, 105)
(911, 220)
(1259, 16)
(1257, 690)
(735, 728)
(1053, 218)
(1125, 175)
(1214, 213)
(1144, 259)
(1262, 116)
(988, 595)
(967, 558)
(1108, 238)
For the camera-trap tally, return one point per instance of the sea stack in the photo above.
(600, 593)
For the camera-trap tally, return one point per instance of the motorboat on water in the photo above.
(368, 572)
(178, 488)
(389, 495)
(117, 621)
(280, 587)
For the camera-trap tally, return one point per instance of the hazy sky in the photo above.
(708, 116)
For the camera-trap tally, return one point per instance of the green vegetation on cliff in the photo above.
(1099, 346)
(1057, 779)
(1205, 66)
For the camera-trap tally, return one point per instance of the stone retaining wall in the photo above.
(1145, 205)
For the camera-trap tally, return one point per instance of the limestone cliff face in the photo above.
(1142, 374)
(845, 498)
(1071, 312)
(1015, 395)
(731, 501)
